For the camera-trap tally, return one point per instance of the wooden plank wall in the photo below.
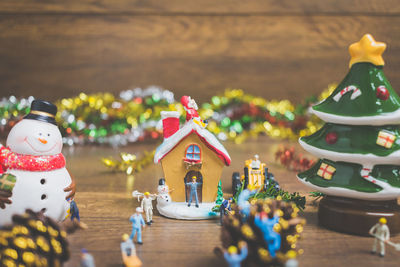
(273, 48)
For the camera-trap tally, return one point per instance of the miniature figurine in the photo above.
(225, 208)
(87, 259)
(233, 258)
(292, 261)
(358, 146)
(381, 233)
(127, 246)
(128, 252)
(187, 151)
(255, 163)
(193, 191)
(33, 155)
(190, 107)
(147, 206)
(163, 187)
(266, 225)
(137, 225)
(243, 203)
(236, 182)
(270, 181)
(163, 197)
(73, 210)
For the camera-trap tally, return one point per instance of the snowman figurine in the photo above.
(33, 156)
(163, 197)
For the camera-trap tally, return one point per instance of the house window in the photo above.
(193, 153)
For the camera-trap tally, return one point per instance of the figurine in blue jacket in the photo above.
(272, 238)
(193, 191)
(137, 225)
(225, 208)
(73, 209)
(233, 258)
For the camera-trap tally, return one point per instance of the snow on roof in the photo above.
(189, 127)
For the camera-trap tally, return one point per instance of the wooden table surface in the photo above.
(105, 203)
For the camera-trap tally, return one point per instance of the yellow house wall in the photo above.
(175, 170)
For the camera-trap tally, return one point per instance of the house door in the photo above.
(199, 179)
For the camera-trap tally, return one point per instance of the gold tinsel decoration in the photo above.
(129, 163)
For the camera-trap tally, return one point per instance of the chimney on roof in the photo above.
(170, 121)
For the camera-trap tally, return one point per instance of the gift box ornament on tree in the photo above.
(358, 147)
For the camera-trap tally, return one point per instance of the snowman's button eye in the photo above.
(48, 134)
(43, 197)
(40, 133)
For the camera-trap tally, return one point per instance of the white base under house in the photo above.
(180, 210)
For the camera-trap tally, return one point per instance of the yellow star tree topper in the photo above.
(367, 50)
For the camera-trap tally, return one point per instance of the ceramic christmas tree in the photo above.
(192, 159)
(34, 174)
(358, 147)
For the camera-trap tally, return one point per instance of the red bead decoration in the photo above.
(331, 138)
(382, 93)
(288, 158)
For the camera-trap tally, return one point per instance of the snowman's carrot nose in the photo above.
(43, 141)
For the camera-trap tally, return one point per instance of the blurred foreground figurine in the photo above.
(381, 233)
(233, 258)
(270, 228)
(266, 224)
(225, 208)
(137, 225)
(33, 239)
(73, 210)
(33, 168)
(129, 252)
(193, 191)
(87, 259)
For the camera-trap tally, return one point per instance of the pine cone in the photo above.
(236, 228)
(33, 240)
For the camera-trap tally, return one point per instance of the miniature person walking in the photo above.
(381, 233)
(147, 206)
(193, 191)
(225, 208)
(137, 225)
(233, 258)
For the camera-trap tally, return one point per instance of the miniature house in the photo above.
(190, 151)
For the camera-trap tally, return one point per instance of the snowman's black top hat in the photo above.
(161, 181)
(42, 111)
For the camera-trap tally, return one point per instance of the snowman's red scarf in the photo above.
(11, 160)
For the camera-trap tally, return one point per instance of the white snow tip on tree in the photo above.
(376, 120)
